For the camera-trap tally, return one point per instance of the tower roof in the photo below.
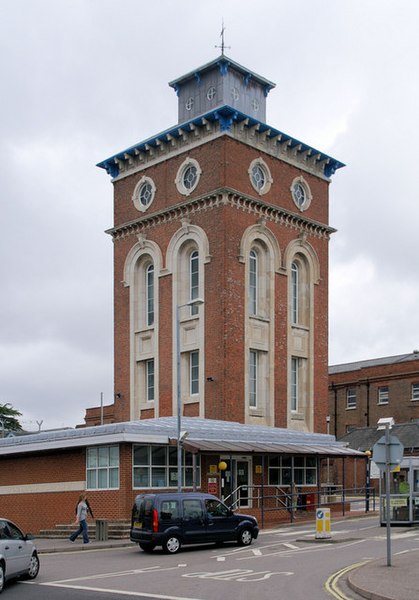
(223, 63)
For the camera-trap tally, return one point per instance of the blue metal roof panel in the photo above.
(226, 116)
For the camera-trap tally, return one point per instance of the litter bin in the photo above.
(101, 530)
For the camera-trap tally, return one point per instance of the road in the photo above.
(286, 563)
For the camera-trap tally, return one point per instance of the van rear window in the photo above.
(169, 510)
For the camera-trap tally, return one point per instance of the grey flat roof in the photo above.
(202, 434)
(373, 362)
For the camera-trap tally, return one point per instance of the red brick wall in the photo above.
(224, 162)
(398, 376)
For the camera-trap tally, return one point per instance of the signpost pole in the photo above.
(388, 529)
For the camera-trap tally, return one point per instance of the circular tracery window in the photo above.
(301, 193)
(188, 175)
(144, 193)
(260, 176)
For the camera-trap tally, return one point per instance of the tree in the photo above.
(8, 419)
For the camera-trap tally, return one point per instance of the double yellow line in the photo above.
(331, 584)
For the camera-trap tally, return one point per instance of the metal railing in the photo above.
(295, 505)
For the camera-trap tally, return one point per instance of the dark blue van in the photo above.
(173, 519)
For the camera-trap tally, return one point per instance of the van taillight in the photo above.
(155, 520)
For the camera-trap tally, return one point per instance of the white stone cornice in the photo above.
(184, 211)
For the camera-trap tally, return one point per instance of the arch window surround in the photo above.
(141, 272)
(303, 269)
(188, 240)
(261, 256)
(259, 280)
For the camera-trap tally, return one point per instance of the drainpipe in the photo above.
(367, 414)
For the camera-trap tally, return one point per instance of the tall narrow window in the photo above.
(150, 294)
(253, 378)
(194, 280)
(294, 384)
(294, 293)
(351, 398)
(253, 278)
(194, 372)
(150, 379)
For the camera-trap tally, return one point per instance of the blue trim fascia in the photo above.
(226, 116)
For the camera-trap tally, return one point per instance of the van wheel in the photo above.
(147, 547)
(245, 537)
(172, 544)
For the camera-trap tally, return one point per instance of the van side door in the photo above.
(221, 522)
(193, 521)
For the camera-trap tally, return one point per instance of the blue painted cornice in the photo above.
(226, 116)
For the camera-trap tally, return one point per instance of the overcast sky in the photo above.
(84, 79)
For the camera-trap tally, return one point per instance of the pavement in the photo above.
(373, 580)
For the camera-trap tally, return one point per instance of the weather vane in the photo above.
(223, 46)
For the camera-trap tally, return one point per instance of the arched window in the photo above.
(194, 279)
(294, 293)
(150, 294)
(299, 292)
(253, 282)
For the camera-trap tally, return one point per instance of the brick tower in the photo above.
(226, 209)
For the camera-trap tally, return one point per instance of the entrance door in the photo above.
(237, 479)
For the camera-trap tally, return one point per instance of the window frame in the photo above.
(136, 196)
(382, 395)
(149, 293)
(194, 280)
(295, 274)
(415, 392)
(301, 182)
(253, 378)
(305, 474)
(295, 384)
(150, 380)
(259, 163)
(165, 467)
(108, 470)
(253, 282)
(194, 372)
(180, 181)
(351, 398)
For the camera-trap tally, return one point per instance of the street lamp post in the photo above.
(195, 302)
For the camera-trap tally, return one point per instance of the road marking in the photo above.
(292, 546)
(243, 575)
(331, 584)
(116, 592)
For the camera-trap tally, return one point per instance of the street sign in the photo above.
(323, 523)
(395, 448)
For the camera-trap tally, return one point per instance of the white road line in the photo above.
(118, 592)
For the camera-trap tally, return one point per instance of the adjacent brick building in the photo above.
(361, 393)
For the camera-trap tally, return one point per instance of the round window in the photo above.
(301, 193)
(144, 193)
(260, 176)
(190, 176)
(187, 177)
